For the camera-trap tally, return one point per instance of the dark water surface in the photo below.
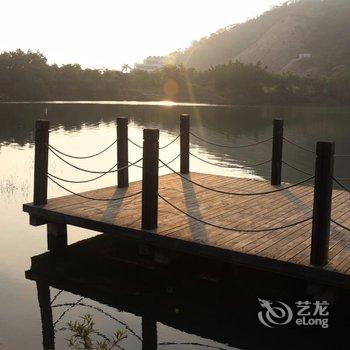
(84, 128)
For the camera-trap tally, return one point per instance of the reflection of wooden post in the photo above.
(46, 316)
(56, 236)
(322, 203)
(277, 146)
(149, 333)
(122, 151)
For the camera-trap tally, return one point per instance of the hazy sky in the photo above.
(108, 33)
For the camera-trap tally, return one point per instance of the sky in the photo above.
(109, 33)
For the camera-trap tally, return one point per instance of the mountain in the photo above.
(316, 30)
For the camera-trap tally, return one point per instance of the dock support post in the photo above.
(150, 179)
(277, 148)
(56, 236)
(41, 161)
(48, 332)
(184, 143)
(122, 151)
(149, 333)
(322, 203)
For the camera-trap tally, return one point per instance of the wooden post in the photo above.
(150, 179)
(322, 203)
(149, 333)
(277, 148)
(122, 150)
(184, 143)
(56, 236)
(41, 161)
(48, 331)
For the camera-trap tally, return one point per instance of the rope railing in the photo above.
(342, 155)
(340, 184)
(322, 185)
(236, 193)
(110, 171)
(170, 143)
(228, 146)
(162, 166)
(235, 229)
(160, 147)
(83, 157)
(310, 150)
(340, 225)
(135, 144)
(299, 146)
(56, 296)
(229, 165)
(78, 181)
(92, 198)
(94, 171)
(296, 168)
(70, 306)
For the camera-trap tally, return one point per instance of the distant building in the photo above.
(151, 63)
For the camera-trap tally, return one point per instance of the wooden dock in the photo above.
(300, 230)
(285, 251)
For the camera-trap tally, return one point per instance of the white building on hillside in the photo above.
(151, 63)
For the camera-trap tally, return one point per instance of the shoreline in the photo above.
(168, 103)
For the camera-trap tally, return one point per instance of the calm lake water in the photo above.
(84, 128)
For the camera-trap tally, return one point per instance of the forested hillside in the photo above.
(276, 38)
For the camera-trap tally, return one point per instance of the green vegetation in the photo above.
(83, 333)
(26, 76)
(277, 37)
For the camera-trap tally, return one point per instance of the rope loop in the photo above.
(97, 177)
(299, 146)
(295, 168)
(162, 166)
(269, 229)
(227, 146)
(340, 184)
(170, 143)
(161, 147)
(236, 193)
(83, 157)
(340, 225)
(93, 171)
(92, 198)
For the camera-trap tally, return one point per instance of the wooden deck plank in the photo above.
(301, 252)
(276, 220)
(229, 215)
(275, 249)
(245, 204)
(297, 241)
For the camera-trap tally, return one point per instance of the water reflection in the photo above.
(187, 304)
(85, 128)
(230, 125)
